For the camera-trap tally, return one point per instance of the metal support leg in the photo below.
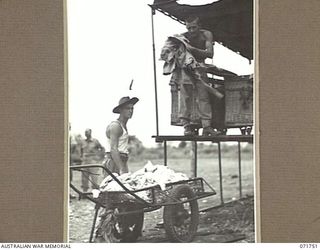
(165, 152)
(94, 222)
(220, 173)
(194, 156)
(240, 178)
(155, 71)
(195, 159)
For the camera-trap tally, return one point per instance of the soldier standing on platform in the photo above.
(201, 47)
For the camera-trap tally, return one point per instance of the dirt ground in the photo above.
(231, 222)
(234, 221)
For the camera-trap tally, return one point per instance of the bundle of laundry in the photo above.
(182, 64)
(149, 175)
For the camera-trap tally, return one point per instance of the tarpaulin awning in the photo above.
(230, 21)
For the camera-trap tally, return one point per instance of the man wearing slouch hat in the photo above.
(118, 137)
(116, 161)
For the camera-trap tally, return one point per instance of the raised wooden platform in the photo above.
(219, 138)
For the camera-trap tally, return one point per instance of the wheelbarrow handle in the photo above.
(76, 167)
(113, 177)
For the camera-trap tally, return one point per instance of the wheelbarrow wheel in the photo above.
(181, 220)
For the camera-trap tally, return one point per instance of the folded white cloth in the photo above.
(149, 175)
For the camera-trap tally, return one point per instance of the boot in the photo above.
(188, 130)
(209, 131)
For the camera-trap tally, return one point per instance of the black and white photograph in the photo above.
(161, 121)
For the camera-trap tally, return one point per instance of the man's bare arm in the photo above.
(115, 133)
(208, 52)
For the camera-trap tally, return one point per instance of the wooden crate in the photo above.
(239, 102)
(234, 110)
(175, 108)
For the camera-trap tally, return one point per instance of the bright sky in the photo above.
(109, 44)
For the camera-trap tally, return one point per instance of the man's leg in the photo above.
(95, 177)
(186, 92)
(205, 110)
(124, 159)
(85, 180)
(85, 176)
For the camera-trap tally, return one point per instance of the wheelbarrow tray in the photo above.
(154, 196)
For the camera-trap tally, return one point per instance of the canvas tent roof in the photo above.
(231, 21)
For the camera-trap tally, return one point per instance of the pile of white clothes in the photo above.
(149, 175)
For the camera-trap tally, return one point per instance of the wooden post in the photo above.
(194, 159)
(154, 71)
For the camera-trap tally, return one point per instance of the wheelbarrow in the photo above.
(127, 207)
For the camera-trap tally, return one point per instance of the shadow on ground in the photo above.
(231, 222)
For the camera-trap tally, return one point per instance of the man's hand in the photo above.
(189, 48)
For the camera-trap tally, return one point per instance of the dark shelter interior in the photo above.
(231, 22)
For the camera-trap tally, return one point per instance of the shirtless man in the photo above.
(118, 137)
(201, 47)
